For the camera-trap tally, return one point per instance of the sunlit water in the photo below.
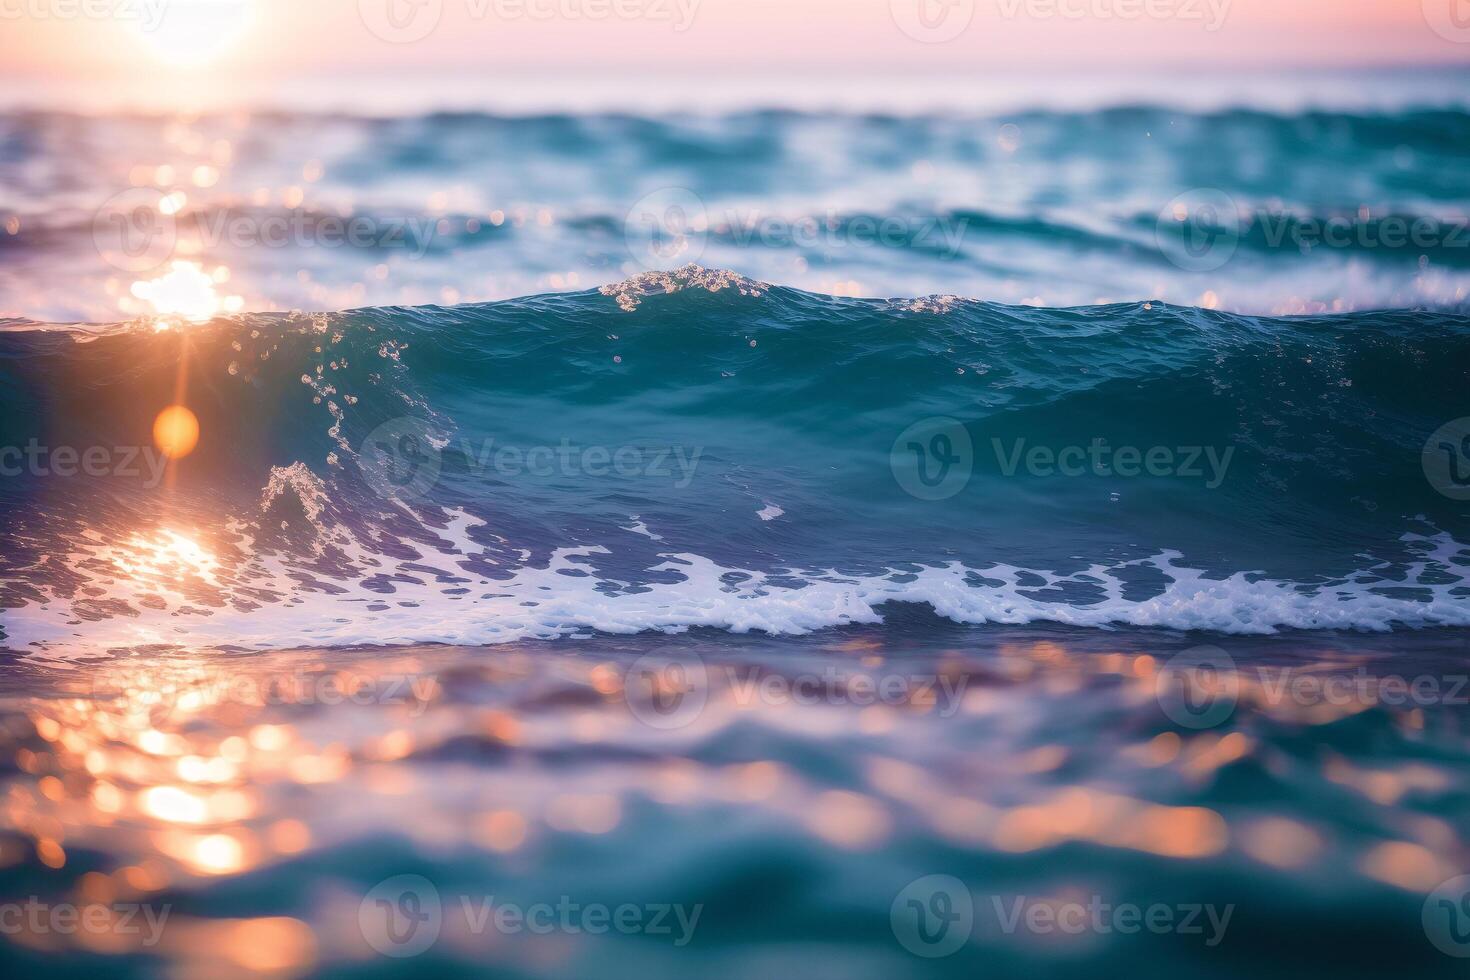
(722, 595)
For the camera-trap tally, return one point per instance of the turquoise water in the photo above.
(1068, 504)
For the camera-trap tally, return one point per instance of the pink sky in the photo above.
(287, 37)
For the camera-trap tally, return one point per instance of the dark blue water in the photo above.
(699, 449)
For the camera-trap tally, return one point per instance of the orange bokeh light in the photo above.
(176, 431)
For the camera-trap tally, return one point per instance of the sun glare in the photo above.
(165, 555)
(186, 291)
(194, 33)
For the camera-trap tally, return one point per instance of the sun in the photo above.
(194, 33)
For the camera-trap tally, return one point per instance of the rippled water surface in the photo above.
(1013, 542)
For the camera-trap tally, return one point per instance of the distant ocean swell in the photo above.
(698, 449)
(1239, 209)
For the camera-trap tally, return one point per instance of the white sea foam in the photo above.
(566, 597)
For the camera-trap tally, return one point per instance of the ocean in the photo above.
(1025, 540)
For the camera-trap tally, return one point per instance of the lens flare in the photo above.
(176, 431)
